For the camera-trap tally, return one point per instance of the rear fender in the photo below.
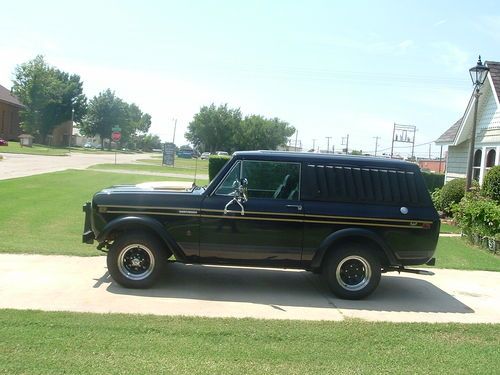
(138, 222)
(346, 234)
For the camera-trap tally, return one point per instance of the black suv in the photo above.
(349, 218)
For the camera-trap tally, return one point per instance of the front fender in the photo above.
(138, 222)
(350, 233)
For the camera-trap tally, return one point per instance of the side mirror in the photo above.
(239, 196)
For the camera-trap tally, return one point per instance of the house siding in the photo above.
(456, 163)
(488, 127)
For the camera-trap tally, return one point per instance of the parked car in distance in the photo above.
(221, 153)
(88, 145)
(3, 142)
(350, 218)
(205, 155)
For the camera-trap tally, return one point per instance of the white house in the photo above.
(487, 142)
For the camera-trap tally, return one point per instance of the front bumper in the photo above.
(88, 235)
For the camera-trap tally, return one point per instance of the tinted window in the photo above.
(359, 184)
(226, 187)
(268, 179)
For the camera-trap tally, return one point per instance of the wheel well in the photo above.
(362, 241)
(114, 233)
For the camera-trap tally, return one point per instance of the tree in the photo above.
(105, 111)
(147, 142)
(213, 128)
(49, 96)
(258, 133)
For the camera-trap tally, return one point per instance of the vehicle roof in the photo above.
(317, 157)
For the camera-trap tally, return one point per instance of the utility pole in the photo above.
(345, 141)
(328, 144)
(440, 158)
(296, 135)
(376, 144)
(430, 144)
(175, 127)
(333, 149)
(314, 144)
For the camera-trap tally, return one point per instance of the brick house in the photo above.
(9, 115)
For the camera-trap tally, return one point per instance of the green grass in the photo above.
(448, 228)
(203, 169)
(43, 213)
(36, 342)
(15, 148)
(454, 252)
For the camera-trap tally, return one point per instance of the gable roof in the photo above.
(7, 97)
(495, 75)
(452, 135)
(449, 135)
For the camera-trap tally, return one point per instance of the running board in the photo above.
(409, 270)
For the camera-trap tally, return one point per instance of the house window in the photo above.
(476, 170)
(490, 159)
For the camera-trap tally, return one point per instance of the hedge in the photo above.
(215, 164)
(451, 193)
(433, 181)
(491, 184)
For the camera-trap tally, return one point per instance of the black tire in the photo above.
(136, 260)
(352, 271)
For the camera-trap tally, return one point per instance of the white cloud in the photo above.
(440, 22)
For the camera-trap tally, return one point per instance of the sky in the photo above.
(329, 68)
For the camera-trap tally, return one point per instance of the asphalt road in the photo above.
(62, 283)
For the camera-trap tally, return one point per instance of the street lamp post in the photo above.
(478, 75)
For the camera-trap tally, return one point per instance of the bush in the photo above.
(451, 193)
(433, 181)
(491, 184)
(215, 164)
(477, 215)
(436, 200)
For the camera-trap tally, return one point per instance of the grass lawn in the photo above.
(448, 228)
(36, 342)
(43, 213)
(15, 148)
(456, 253)
(188, 171)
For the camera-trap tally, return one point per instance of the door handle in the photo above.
(297, 206)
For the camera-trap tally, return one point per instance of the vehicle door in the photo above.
(266, 228)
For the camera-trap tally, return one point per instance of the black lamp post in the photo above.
(478, 75)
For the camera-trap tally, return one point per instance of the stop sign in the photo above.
(115, 136)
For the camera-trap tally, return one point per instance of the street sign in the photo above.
(116, 136)
(168, 153)
(116, 129)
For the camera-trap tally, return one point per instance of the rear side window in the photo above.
(359, 184)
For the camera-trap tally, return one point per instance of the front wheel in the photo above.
(136, 260)
(353, 271)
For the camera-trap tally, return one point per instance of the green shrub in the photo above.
(215, 164)
(436, 200)
(433, 181)
(477, 215)
(491, 184)
(451, 193)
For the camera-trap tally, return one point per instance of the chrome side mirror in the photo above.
(240, 195)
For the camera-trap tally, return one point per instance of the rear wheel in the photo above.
(352, 271)
(136, 260)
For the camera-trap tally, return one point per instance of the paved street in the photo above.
(21, 165)
(58, 283)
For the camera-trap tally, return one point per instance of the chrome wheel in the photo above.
(136, 262)
(353, 273)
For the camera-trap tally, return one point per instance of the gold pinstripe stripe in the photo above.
(272, 213)
(269, 219)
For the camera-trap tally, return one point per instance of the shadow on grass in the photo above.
(289, 288)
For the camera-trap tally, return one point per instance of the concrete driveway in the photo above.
(83, 284)
(22, 165)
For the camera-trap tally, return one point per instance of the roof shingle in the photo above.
(7, 97)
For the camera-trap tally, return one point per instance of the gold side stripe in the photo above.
(270, 219)
(274, 213)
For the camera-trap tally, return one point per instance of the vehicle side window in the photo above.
(226, 187)
(269, 179)
(359, 184)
